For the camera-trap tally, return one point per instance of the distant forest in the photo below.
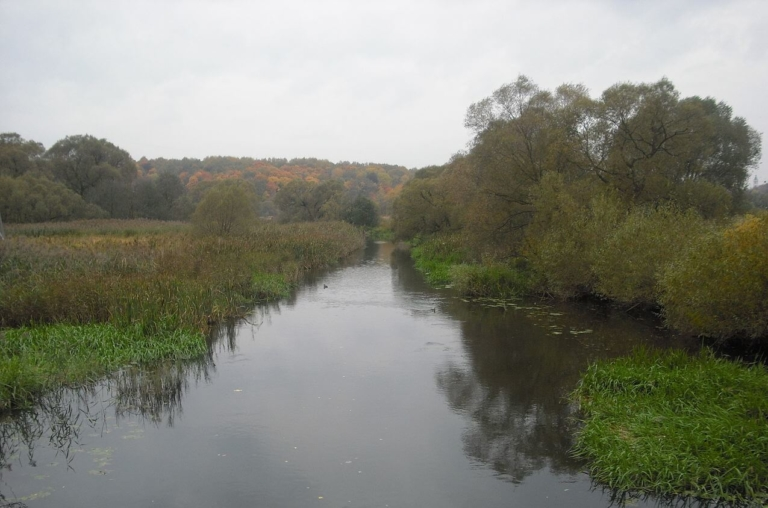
(86, 177)
(642, 142)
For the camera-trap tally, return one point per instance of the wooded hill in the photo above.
(86, 177)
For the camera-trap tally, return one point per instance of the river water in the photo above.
(366, 389)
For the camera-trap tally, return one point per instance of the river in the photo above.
(366, 389)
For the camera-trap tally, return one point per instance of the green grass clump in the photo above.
(436, 256)
(268, 286)
(667, 423)
(34, 359)
(445, 260)
(491, 281)
(381, 233)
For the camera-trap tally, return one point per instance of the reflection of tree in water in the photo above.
(518, 420)
(57, 419)
(513, 390)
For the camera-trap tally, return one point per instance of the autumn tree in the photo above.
(641, 140)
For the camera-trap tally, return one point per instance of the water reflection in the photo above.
(521, 359)
(520, 366)
(148, 394)
(511, 391)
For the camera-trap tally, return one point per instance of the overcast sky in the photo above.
(368, 81)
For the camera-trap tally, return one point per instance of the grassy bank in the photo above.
(670, 424)
(444, 261)
(142, 279)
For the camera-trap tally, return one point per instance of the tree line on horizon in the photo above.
(82, 177)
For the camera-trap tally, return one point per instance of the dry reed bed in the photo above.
(162, 276)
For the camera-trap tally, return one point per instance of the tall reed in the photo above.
(169, 277)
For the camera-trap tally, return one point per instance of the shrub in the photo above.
(630, 261)
(719, 286)
(562, 242)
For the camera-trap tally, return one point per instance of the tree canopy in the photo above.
(84, 162)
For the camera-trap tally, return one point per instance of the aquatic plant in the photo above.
(34, 359)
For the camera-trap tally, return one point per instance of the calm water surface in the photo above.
(375, 391)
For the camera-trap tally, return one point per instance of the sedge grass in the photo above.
(667, 423)
(34, 359)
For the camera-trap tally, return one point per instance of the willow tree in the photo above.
(521, 133)
(227, 208)
(302, 201)
(82, 163)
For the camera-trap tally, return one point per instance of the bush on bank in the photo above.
(719, 286)
(710, 278)
(630, 261)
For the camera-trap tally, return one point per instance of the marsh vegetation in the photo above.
(80, 298)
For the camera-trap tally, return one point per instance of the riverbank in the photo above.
(669, 424)
(666, 424)
(710, 285)
(139, 279)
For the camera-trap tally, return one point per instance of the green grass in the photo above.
(34, 359)
(667, 423)
(382, 233)
(491, 281)
(435, 256)
(445, 261)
